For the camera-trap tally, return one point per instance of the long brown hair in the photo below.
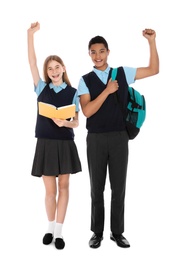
(58, 59)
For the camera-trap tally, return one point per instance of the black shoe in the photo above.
(95, 240)
(59, 243)
(120, 240)
(47, 239)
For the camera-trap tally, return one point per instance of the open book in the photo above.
(51, 111)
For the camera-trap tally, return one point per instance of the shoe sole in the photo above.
(59, 244)
(94, 247)
(113, 239)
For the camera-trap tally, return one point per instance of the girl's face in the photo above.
(99, 55)
(55, 72)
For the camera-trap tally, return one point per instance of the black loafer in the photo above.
(120, 240)
(95, 241)
(47, 239)
(59, 243)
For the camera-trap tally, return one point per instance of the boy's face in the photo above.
(99, 55)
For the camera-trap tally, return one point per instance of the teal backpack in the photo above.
(136, 110)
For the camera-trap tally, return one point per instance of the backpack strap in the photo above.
(116, 98)
(114, 73)
(114, 76)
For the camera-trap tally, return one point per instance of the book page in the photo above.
(51, 111)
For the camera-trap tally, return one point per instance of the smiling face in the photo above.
(55, 72)
(99, 55)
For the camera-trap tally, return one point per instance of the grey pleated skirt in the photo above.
(54, 157)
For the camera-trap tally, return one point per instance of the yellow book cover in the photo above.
(51, 111)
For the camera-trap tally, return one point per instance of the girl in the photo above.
(56, 155)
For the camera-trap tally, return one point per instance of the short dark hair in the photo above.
(98, 39)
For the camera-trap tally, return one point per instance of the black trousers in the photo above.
(107, 151)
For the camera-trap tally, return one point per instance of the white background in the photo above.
(66, 28)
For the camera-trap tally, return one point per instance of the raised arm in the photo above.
(153, 67)
(31, 52)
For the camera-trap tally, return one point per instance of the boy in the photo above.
(107, 139)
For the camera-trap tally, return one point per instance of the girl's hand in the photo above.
(34, 27)
(59, 122)
(66, 123)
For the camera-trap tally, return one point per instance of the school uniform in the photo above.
(107, 147)
(56, 152)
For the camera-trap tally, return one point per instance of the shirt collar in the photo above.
(106, 71)
(58, 88)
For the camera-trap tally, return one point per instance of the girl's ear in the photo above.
(64, 68)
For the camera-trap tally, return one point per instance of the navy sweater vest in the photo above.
(45, 127)
(109, 117)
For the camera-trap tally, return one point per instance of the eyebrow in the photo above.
(102, 49)
(53, 67)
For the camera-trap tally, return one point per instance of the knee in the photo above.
(63, 186)
(50, 196)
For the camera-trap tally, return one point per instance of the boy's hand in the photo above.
(149, 34)
(112, 86)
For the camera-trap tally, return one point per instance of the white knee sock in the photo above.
(58, 230)
(51, 227)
